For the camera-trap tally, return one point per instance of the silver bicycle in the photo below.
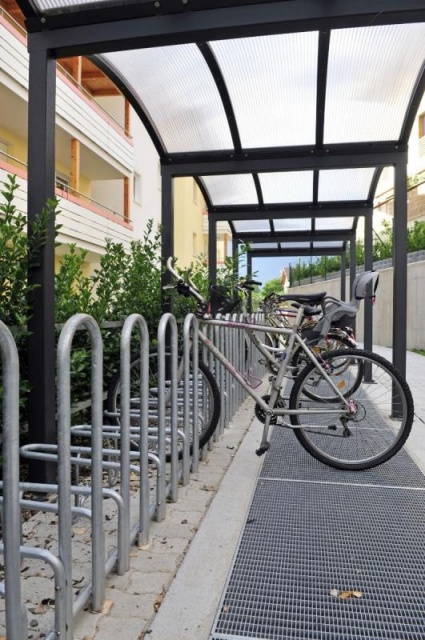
(349, 408)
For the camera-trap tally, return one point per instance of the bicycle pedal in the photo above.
(263, 449)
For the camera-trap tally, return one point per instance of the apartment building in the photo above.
(108, 177)
(384, 201)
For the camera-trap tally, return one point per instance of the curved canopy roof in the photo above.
(285, 112)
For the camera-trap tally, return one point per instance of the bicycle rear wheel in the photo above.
(208, 400)
(380, 413)
(332, 342)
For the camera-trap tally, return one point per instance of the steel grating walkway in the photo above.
(311, 530)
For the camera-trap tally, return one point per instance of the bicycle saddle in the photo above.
(304, 298)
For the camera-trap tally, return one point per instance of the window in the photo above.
(421, 123)
(62, 183)
(137, 188)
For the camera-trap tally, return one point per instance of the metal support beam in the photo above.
(400, 265)
(274, 253)
(287, 159)
(353, 264)
(289, 236)
(343, 276)
(212, 251)
(167, 233)
(41, 324)
(290, 212)
(235, 255)
(249, 274)
(368, 249)
(138, 25)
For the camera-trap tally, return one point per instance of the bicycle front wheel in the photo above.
(208, 400)
(373, 427)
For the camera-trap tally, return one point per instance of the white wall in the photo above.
(383, 309)
(146, 163)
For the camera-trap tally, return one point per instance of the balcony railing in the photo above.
(64, 191)
(69, 77)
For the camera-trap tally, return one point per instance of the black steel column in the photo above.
(235, 257)
(343, 276)
(353, 261)
(41, 325)
(212, 250)
(400, 264)
(249, 274)
(368, 264)
(167, 235)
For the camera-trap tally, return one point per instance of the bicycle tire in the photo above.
(209, 403)
(299, 360)
(372, 434)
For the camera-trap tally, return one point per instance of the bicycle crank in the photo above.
(260, 414)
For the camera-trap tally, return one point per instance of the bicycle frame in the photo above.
(294, 341)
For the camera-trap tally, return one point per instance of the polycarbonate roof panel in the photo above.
(371, 74)
(272, 85)
(49, 5)
(265, 245)
(295, 245)
(345, 184)
(231, 189)
(330, 224)
(179, 93)
(243, 226)
(289, 186)
(333, 244)
(298, 224)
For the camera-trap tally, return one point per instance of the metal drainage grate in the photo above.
(303, 540)
(287, 459)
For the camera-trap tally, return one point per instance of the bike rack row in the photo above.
(108, 457)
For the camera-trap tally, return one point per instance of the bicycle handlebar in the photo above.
(182, 286)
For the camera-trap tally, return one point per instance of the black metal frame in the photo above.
(103, 27)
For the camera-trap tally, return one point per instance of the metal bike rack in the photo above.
(11, 521)
(175, 410)
(130, 324)
(167, 323)
(191, 394)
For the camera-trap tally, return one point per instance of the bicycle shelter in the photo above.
(284, 112)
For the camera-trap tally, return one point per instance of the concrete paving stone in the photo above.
(129, 605)
(151, 583)
(113, 629)
(169, 529)
(85, 625)
(164, 543)
(119, 582)
(148, 562)
(181, 515)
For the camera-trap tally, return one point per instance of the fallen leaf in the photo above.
(40, 608)
(107, 606)
(207, 487)
(344, 595)
(158, 602)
